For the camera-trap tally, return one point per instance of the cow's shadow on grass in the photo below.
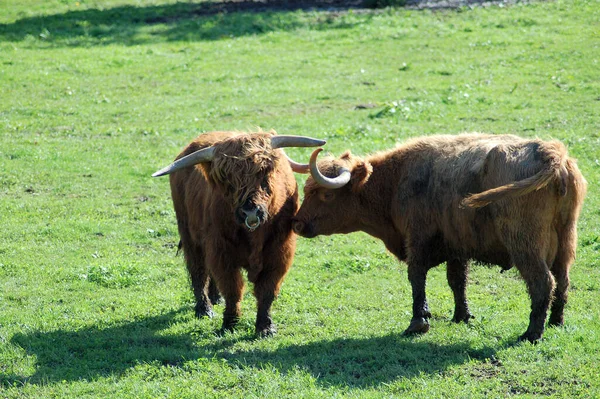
(131, 25)
(93, 352)
(365, 362)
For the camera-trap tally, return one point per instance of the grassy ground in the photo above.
(96, 95)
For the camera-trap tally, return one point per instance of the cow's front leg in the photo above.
(231, 286)
(268, 282)
(265, 296)
(419, 324)
(230, 283)
(266, 289)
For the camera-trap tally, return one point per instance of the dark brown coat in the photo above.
(497, 199)
(211, 200)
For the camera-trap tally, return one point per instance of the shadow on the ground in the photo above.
(182, 21)
(94, 352)
(209, 20)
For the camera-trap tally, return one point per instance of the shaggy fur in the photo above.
(207, 199)
(496, 199)
(240, 166)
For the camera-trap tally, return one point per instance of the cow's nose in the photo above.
(251, 213)
(298, 226)
(251, 217)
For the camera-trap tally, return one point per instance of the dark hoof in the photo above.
(266, 332)
(265, 327)
(204, 311)
(532, 337)
(556, 321)
(215, 299)
(418, 325)
(213, 293)
(222, 331)
(229, 322)
(462, 318)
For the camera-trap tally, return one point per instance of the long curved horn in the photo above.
(295, 141)
(297, 167)
(203, 155)
(336, 182)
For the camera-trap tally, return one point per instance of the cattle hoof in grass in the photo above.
(215, 299)
(222, 331)
(266, 332)
(204, 311)
(533, 337)
(227, 327)
(418, 325)
(463, 317)
(229, 323)
(556, 321)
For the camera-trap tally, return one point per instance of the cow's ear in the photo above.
(346, 155)
(360, 175)
(206, 169)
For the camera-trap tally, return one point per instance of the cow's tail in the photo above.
(554, 170)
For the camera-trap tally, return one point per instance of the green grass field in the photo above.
(98, 94)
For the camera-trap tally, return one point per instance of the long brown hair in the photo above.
(242, 164)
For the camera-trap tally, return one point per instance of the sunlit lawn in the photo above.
(97, 95)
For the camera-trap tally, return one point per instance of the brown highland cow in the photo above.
(234, 196)
(503, 200)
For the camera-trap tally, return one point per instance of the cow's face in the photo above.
(326, 211)
(244, 171)
(254, 211)
(323, 212)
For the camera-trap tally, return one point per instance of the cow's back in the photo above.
(440, 171)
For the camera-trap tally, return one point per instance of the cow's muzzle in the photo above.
(252, 216)
(303, 229)
(252, 221)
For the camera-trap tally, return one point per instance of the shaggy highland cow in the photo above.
(234, 196)
(497, 199)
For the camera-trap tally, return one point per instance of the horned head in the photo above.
(243, 168)
(331, 204)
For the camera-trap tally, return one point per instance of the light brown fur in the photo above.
(207, 197)
(497, 199)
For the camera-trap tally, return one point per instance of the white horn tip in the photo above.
(159, 173)
(315, 154)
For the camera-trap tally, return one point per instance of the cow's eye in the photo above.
(265, 186)
(327, 195)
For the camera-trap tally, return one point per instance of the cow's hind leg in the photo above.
(567, 242)
(456, 272)
(199, 276)
(530, 246)
(213, 292)
(540, 285)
